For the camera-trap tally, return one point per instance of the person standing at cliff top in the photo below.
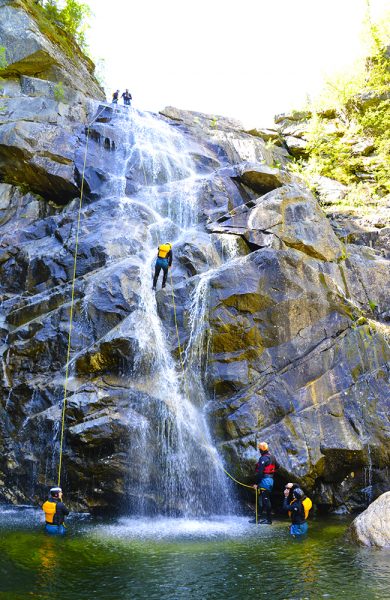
(55, 512)
(265, 470)
(115, 97)
(127, 97)
(164, 262)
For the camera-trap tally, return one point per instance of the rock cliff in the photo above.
(292, 344)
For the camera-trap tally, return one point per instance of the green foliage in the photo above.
(373, 305)
(3, 65)
(3, 59)
(214, 122)
(72, 17)
(361, 99)
(59, 92)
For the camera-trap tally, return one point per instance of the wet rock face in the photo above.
(288, 362)
(283, 322)
(372, 527)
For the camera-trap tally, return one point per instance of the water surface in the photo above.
(179, 559)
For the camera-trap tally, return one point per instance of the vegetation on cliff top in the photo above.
(70, 15)
(63, 23)
(361, 100)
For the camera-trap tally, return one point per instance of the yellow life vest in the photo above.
(49, 508)
(307, 504)
(163, 250)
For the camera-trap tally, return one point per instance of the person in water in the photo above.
(265, 470)
(164, 262)
(115, 97)
(306, 502)
(127, 97)
(296, 510)
(55, 512)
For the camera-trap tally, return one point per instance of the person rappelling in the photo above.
(164, 262)
(265, 470)
(55, 512)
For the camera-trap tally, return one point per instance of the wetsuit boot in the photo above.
(266, 502)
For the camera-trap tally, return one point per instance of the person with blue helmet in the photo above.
(293, 504)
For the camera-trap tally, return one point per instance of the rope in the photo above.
(177, 327)
(257, 508)
(64, 402)
(185, 382)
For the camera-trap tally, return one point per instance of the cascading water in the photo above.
(154, 170)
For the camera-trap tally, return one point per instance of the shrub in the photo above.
(59, 92)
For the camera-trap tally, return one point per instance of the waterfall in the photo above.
(156, 158)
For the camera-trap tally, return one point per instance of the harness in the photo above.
(270, 468)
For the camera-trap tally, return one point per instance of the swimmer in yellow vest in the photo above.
(306, 502)
(55, 512)
(164, 262)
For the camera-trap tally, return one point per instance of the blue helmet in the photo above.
(298, 493)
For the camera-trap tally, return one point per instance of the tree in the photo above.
(72, 17)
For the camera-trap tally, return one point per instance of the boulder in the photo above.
(372, 527)
(329, 190)
(261, 178)
(268, 135)
(295, 115)
(289, 213)
(296, 146)
(363, 147)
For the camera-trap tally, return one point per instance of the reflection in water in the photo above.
(48, 559)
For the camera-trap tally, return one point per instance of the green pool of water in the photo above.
(178, 559)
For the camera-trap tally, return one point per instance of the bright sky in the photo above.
(248, 59)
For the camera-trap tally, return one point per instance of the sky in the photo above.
(247, 59)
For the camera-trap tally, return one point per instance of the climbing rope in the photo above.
(187, 391)
(64, 401)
